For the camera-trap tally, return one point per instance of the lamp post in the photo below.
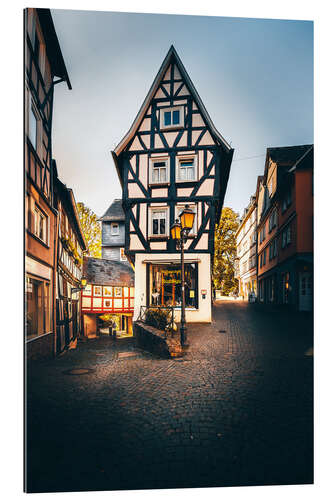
(179, 233)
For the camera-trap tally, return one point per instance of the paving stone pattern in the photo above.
(237, 410)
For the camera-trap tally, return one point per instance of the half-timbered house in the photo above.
(109, 293)
(44, 67)
(172, 156)
(70, 249)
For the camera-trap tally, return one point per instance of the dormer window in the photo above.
(114, 229)
(172, 117)
(159, 171)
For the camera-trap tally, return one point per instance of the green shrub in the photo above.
(158, 318)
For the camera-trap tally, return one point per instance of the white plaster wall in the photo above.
(134, 191)
(145, 126)
(206, 188)
(201, 315)
(159, 192)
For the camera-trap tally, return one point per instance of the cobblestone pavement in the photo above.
(236, 411)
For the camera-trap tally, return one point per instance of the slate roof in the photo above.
(287, 155)
(115, 212)
(107, 272)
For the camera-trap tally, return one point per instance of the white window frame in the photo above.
(151, 211)
(113, 226)
(181, 158)
(171, 109)
(160, 159)
(194, 207)
(38, 213)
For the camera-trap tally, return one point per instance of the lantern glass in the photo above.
(187, 218)
(83, 281)
(175, 231)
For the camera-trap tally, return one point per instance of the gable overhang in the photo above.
(171, 56)
(52, 46)
(225, 167)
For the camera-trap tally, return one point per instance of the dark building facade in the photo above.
(285, 228)
(44, 67)
(70, 248)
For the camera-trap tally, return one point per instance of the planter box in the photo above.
(151, 339)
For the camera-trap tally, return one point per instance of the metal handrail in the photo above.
(170, 317)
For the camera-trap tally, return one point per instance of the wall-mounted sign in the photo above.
(203, 292)
(192, 295)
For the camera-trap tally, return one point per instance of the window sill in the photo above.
(38, 239)
(158, 237)
(193, 181)
(158, 184)
(172, 127)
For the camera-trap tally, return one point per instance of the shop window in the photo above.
(37, 307)
(165, 285)
(285, 288)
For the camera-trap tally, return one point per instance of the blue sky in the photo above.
(254, 76)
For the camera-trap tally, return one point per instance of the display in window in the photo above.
(165, 285)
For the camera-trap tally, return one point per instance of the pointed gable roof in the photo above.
(171, 56)
(115, 212)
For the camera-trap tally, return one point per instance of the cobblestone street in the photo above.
(237, 410)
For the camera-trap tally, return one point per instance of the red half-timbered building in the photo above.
(109, 291)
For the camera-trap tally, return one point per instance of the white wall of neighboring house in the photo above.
(203, 314)
(246, 251)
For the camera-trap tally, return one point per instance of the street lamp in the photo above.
(179, 232)
(82, 287)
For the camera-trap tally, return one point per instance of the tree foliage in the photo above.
(225, 252)
(91, 229)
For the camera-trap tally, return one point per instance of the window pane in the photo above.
(182, 173)
(167, 118)
(33, 127)
(162, 174)
(190, 173)
(162, 226)
(175, 117)
(155, 175)
(155, 226)
(165, 285)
